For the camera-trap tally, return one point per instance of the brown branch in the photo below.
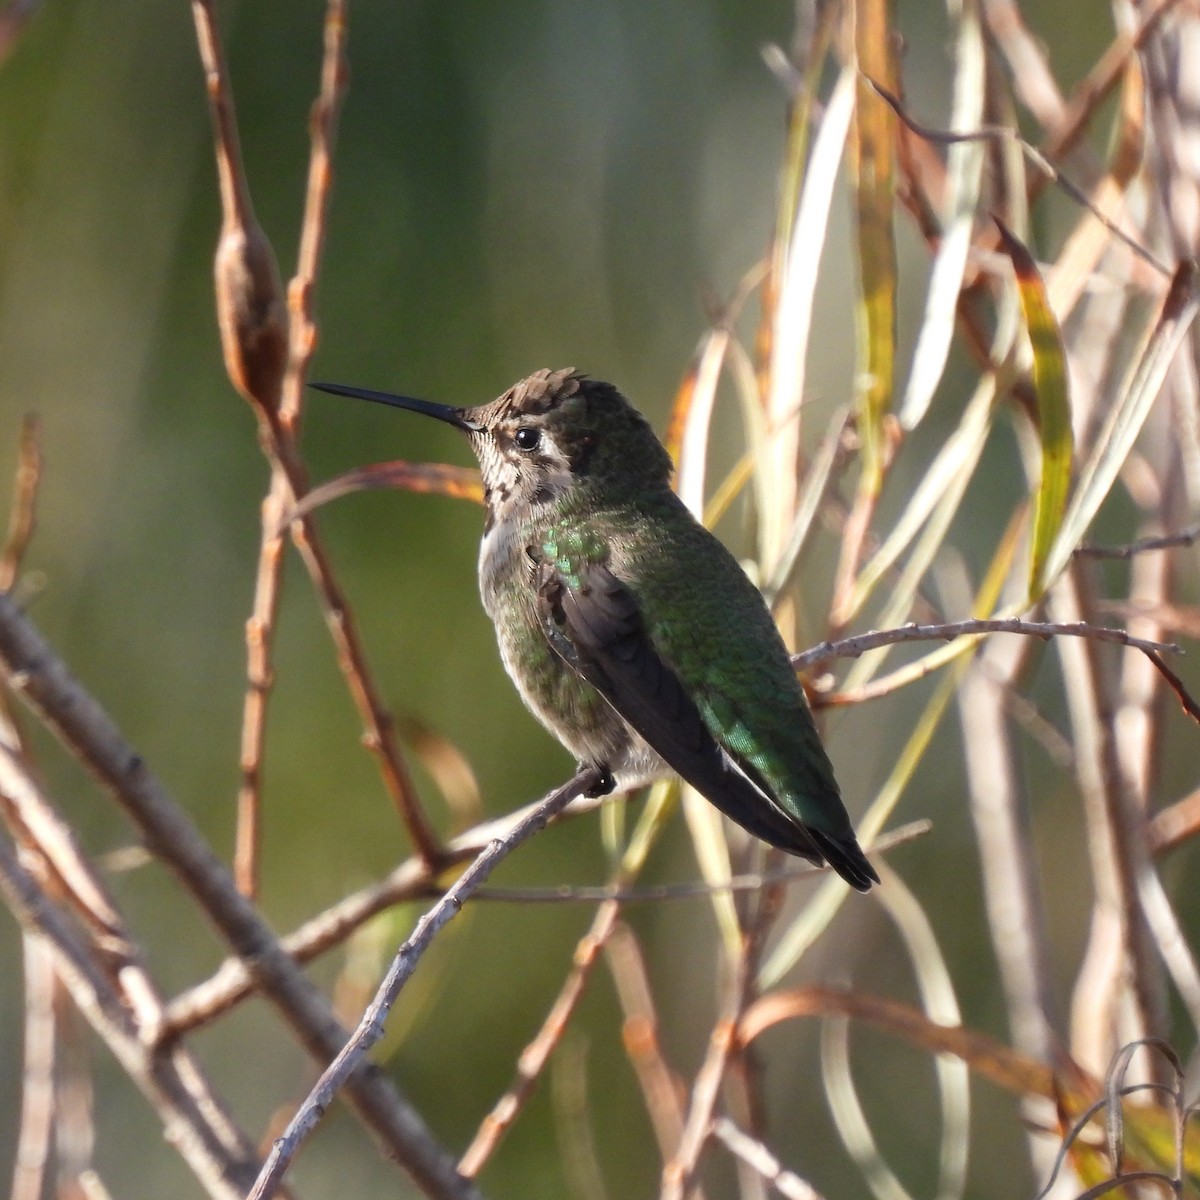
(323, 134)
(85, 729)
(1118, 852)
(1036, 158)
(413, 879)
(1175, 824)
(217, 1153)
(254, 337)
(259, 340)
(301, 340)
(371, 1027)
(1167, 541)
(758, 1157)
(661, 1088)
(250, 308)
(536, 1054)
(1094, 88)
(854, 647)
(22, 516)
(68, 881)
(677, 1174)
(36, 1129)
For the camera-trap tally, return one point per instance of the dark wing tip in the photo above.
(845, 856)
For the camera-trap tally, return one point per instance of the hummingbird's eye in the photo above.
(527, 438)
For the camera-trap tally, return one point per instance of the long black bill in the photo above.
(441, 412)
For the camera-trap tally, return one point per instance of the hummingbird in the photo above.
(630, 631)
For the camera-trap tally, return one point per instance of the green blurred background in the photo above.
(519, 185)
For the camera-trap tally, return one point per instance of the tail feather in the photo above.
(845, 856)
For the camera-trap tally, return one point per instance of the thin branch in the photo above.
(690, 890)
(660, 1086)
(323, 126)
(174, 1080)
(372, 1026)
(412, 880)
(1166, 541)
(217, 1153)
(42, 680)
(1094, 88)
(36, 1128)
(756, 1155)
(854, 647)
(258, 343)
(533, 1059)
(301, 340)
(1118, 851)
(1175, 824)
(722, 1047)
(249, 294)
(22, 515)
(1035, 156)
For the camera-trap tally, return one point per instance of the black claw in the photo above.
(604, 785)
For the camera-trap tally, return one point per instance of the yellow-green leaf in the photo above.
(1053, 407)
(872, 168)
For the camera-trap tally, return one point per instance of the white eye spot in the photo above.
(528, 438)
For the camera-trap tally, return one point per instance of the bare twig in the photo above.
(258, 341)
(756, 1155)
(217, 1153)
(37, 1077)
(660, 1086)
(411, 880)
(1095, 86)
(1036, 157)
(534, 1057)
(231, 982)
(249, 293)
(301, 339)
(254, 336)
(22, 515)
(853, 647)
(371, 1027)
(1176, 823)
(723, 1045)
(1166, 541)
(1017, 917)
(43, 681)
(1117, 847)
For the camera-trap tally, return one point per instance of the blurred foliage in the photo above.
(519, 185)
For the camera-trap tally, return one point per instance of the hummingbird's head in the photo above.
(557, 433)
(553, 435)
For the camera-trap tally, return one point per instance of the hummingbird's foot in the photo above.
(604, 785)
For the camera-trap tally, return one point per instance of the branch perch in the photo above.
(371, 1027)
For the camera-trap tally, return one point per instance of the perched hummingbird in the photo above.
(630, 631)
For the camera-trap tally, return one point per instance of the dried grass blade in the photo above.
(820, 911)
(708, 832)
(872, 171)
(963, 177)
(1127, 417)
(959, 454)
(941, 1004)
(691, 418)
(848, 1116)
(816, 480)
(793, 319)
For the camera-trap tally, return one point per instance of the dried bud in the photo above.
(251, 313)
